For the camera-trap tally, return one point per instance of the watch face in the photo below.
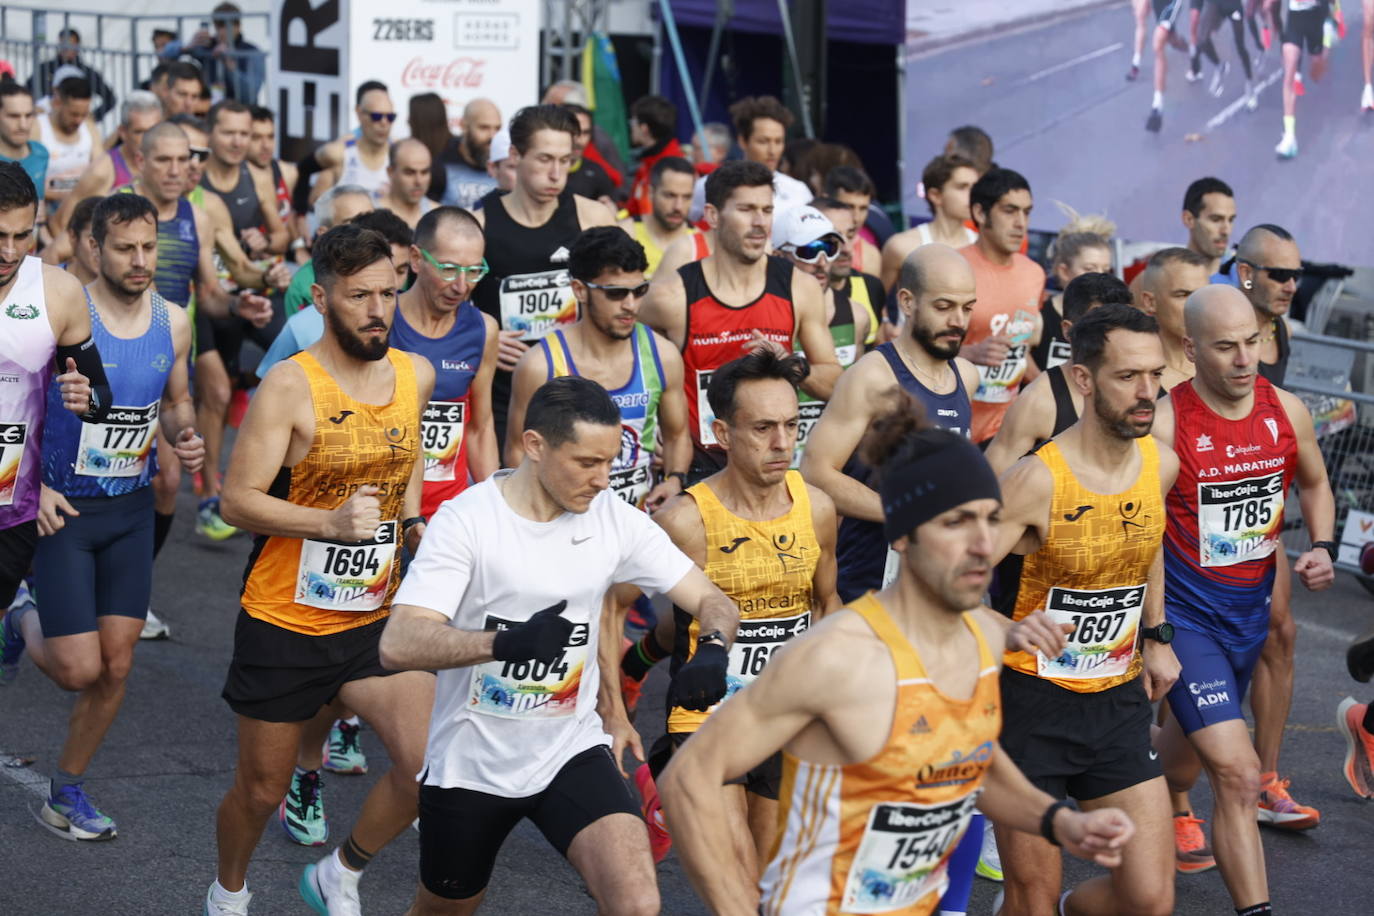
(1166, 632)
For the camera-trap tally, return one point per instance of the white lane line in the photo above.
(1229, 111)
(1050, 71)
(17, 771)
(1321, 629)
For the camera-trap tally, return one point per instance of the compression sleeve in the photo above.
(300, 194)
(89, 364)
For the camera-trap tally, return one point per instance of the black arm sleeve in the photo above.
(89, 364)
(300, 194)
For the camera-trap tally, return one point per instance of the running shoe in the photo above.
(1287, 148)
(1219, 79)
(342, 753)
(70, 815)
(989, 859)
(11, 639)
(301, 812)
(154, 628)
(209, 523)
(1367, 98)
(1266, 37)
(1193, 75)
(1133, 74)
(1251, 97)
(1338, 17)
(1359, 747)
(659, 839)
(331, 889)
(226, 907)
(1298, 88)
(1278, 809)
(1155, 121)
(1191, 853)
(630, 688)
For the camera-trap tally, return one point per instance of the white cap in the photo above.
(801, 226)
(500, 146)
(66, 71)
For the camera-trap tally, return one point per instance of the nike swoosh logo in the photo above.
(734, 545)
(343, 415)
(584, 540)
(1076, 514)
(1154, 755)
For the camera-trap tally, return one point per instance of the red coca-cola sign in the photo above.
(459, 73)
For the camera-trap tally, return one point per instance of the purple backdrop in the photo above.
(868, 21)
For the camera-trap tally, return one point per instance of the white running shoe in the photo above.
(1251, 97)
(1219, 79)
(154, 628)
(989, 859)
(331, 889)
(1367, 98)
(220, 905)
(1288, 147)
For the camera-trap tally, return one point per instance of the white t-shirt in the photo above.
(507, 728)
(788, 192)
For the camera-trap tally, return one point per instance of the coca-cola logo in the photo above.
(459, 73)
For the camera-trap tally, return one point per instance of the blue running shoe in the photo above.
(70, 815)
(11, 638)
(342, 753)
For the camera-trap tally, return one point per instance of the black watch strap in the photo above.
(411, 522)
(713, 636)
(1047, 820)
(1331, 547)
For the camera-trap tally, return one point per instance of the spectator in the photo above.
(653, 120)
(16, 123)
(587, 177)
(465, 158)
(761, 124)
(601, 149)
(427, 115)
(226, 57)
(45, 77)
(72, 140)
(177, 85)
(162, 38)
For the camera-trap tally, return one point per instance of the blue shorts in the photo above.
(1213, 679)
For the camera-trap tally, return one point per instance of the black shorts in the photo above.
(1079, 745)
(764, 780)
(17, 545)
(705, 462)
(1167, 12)
(279, 675)
(461, 830)
(226, 335)
(1304, 29)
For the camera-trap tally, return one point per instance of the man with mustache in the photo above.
(1241, 444)
(94, 565)
(670, 193)
(1087, 512)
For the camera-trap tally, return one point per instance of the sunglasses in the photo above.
(200, 153)
(380, 116)
(450, 273)
(1277, 274)
(811, 252)
(618, 293)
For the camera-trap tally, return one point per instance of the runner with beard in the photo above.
(670, 194)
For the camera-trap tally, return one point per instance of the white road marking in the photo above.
(1083, 59)
(1321, 629)
(13, 768)
(1229, 111)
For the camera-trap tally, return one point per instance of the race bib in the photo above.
(704, 413)
(1105, 623)
(1239, 521)
(441, 435)
(535, 303)
(12, 439)
(530, 689)
(1059, 354)
(997, 384)
(808, 413)
(632, 484)
(344, 575)
(119, 445)
(891, 566)
(904, 854)
(755, 642)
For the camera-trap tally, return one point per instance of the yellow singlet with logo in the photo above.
(876, 836)
(766, 568)
(318, 586)
(1091, 572)
(652, 252)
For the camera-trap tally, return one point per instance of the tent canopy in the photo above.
(867, 21)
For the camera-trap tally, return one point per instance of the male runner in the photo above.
(94, 564)
(527, 704)
(1209, 215)
(43, 320)
(1078, 722)
(641, 370)
(1303, 30)
(1213, 12)
(333, 208)
(72, 140)
(1083, 246)
(465, 159)
(528, 231)
(179, 87)
(1268, 270)
(761, 124)
(262, 159)
(16, 123)
(653, 134)
(936, 297)
(1006, 317)
(327, 472)
(1367, 56)
(1167, 32)
(947, 180)
(408, 168)
(85, 260)
(586, 177)
(851, 186)
(1241, 443)
(886, 713)
(737, 300)
(359, 159)
(665, 218)
(844, 278)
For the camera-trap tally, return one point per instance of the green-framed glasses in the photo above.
(450, 273)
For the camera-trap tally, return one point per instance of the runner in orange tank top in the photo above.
(902, 683)
(1087, 511)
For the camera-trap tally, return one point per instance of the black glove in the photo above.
(540, 639)
(700, 684)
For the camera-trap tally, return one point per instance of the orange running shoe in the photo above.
(1191, 852)
(1278, 809)
(1359, 747)
(659, 840)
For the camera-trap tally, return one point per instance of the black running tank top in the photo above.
(245, 210)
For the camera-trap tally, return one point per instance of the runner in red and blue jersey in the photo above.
(1241, 443)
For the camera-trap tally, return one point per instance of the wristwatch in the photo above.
(1162, 634)
(1330, 547)
(713, 636)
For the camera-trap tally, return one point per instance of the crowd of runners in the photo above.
(955, 563)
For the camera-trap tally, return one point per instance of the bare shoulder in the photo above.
(822, 506)
(681, 518)
(994, 627)
(1028, 478)
(285, 380)
(831, 651)
(1294, 407)
(59, 284)
(424, 369)
(593, 213)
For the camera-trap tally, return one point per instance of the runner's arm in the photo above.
(1161, 664)
(530, 373)
(814, 336)
(894, 253)
(177, 412)
(424, 385)
(278, 236)
(418, 639)
(665, 308)
(825, 523)
(1163, 427)
(695, 593)
(672, 424)
(484, 457)
(1029, 419)
(1027, 490)
(610, 701)
(837, 434)
(241, 270)
(593, 213)
(1314, 496)
(210, 295)
(94, 182)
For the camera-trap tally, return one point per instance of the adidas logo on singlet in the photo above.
(560, 256)
(922, 727)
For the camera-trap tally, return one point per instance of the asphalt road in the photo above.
(1059, 110)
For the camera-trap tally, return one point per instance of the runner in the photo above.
(1367, 56)
(334, 207)
(1140, 11)
(852, 187)
(465, 159)
(359, 158)
(1006, 321)
(1303, 30)
(936, 296)
(30, 292)
(1209, 215)
(1166, 33)
(525, 710)
(1241, 444)
(1268, 271)
(1083, 246)
(72, 140)
(845, 280)
(16, 123)
(94, 564)
(899, 683)
(1078, 723)
(327, 471)
(761, 124)
(665, 218)
(1213, 12)
(262, 148)
(408, 168)
(641, 370)
(528, 232)
(85, 259)
(779, 306)
(587, 177)
(947, 180)
(1171, 276)
(1356, 722)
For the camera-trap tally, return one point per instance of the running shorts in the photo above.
(764, 780)
(17, 544)
(1213, 679)
(100, 562)
(1304, 29)
(1229, 9)
(278, 675)
(1167, 12)
(461, 830)
(1078, 745)
(226, 335)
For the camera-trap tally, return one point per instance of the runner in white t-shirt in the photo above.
(523, 725)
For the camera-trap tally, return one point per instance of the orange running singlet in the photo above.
(876, 836)
(317, 586)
